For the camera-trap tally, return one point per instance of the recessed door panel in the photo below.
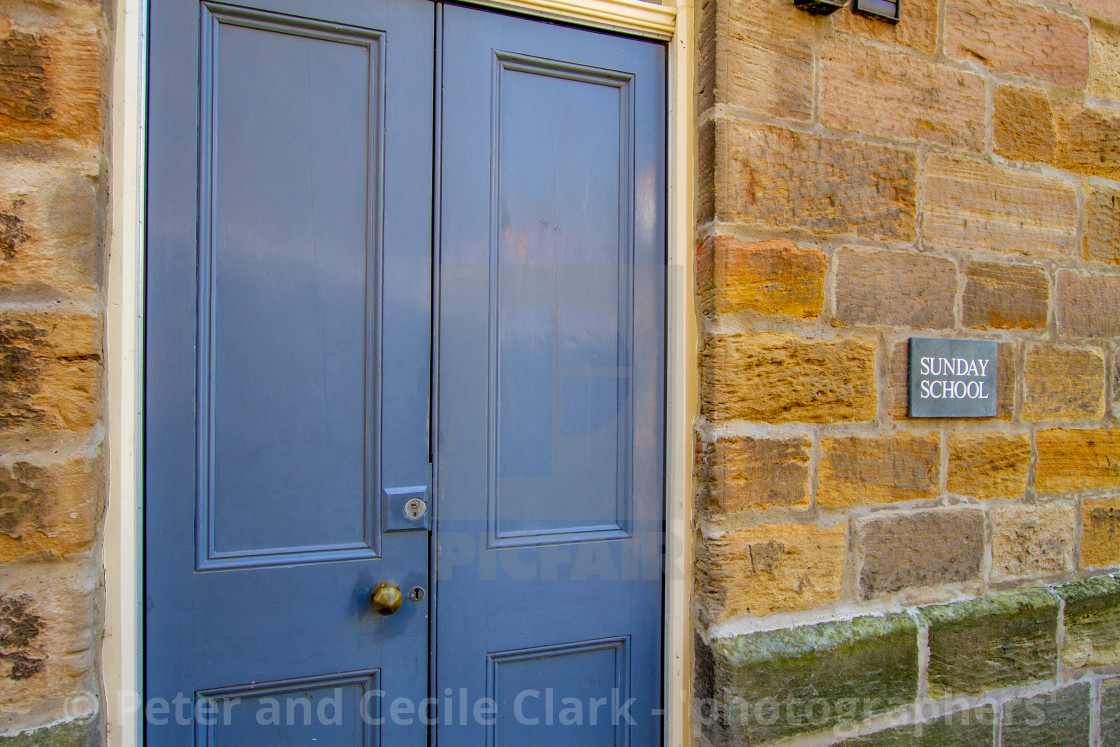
(287, 289)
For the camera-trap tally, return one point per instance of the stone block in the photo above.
(946, 109)
(1104, 71)
(1005, 296)
(49, 635)
(1089, 141)
(1092, 619)
(920, 292)
(738, 474)
(998, 640)
(919, 32)
(50, 84)
(771, 568)
(1110, 712)
(988, 465)
(1019, 38)
(774, 378)
(1054, 719)
(757, 55)
(773, 684)
(971, 204)
(1023, 124)
(1088, 305)
(1071, 460)
(77, 733)
(766, 277)
(917, 549)
(48, 510)
(1063, 383)
(1102, 232)
(1105, 10)
(899, 467)
(1100, 532)
(900, 381)
(769, 175)
(50, 230)
(974, 727)
(1033, 540)
(50, 372)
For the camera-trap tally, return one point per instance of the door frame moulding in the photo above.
(122, 653)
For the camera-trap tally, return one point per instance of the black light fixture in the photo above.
(888, 10)
(820, 7)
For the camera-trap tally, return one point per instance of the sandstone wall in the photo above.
(54, 65)
(860, 183)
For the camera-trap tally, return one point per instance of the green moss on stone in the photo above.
(972, 728)
(79, 733)
(1092, 619)
(783, 682)
(998, 640)
(1057, 719)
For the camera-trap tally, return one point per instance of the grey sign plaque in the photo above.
(952, 378)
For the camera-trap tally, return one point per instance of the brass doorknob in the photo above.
(386, 598)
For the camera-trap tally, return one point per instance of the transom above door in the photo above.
(405, 331)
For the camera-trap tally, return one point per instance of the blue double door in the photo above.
(404, 340)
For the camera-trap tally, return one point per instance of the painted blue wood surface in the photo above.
(288, 352)
(288, 376)
(551, 356)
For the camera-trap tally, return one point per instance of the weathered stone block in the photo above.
(1063, 383)
(1110, 711)
(1088, 305)
(1100, 532)
(1089, 142)
(1005, 296)
(50, 233)
(997, 640)
(1092, 618)
(769, 175)
(1102, 232)
(784, 378)
(78, 733)
(947, 109)
(1023, 124)
(1077, 460)
(988, 465)
(743, 473)
(50, 371)
(757, 55)
(971, 204)
(1032, 541)
(49, 638)
(1055, 719)
(920, 292)
(771, 568)
(1106, 10)
(1104, 72)
(767, 277)
(900, 381)
(1015, 37)
(783, 682)
(919, 32)
(48, 510)
(899, 467)
(50, 84)
(922, 548)
(971, 728)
